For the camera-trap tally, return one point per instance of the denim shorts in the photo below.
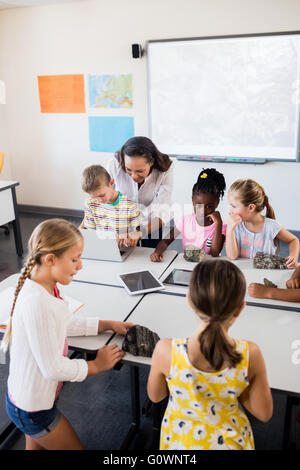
(33, 423)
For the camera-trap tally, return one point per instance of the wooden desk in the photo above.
(9, 211)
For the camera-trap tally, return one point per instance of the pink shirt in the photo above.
(194, 234)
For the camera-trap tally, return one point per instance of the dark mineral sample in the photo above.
(140, 341)
(269, 283)
(193, 254)
(263, 261)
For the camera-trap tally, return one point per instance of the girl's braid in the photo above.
(25, 273)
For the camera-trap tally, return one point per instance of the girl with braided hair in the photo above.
(204, 227)
(248, 231)
(40, 322)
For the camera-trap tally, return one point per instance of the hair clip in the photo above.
(204, 175)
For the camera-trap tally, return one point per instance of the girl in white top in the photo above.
(248, 231)
(40, 322)
(145, 175)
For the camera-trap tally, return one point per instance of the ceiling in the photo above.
(30, 3)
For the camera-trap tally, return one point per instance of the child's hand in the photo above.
(134, 237)
(233, 220)
(291, 262)
(156, 256)
(121, 327)
(293, 283)
(215, 217)
(121, 241)
(107, 357)
(258, 290)
(129, 239)
(124, 242)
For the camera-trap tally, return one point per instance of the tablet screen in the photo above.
(139, 281)
(180, 277)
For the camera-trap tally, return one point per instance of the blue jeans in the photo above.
(33, 423)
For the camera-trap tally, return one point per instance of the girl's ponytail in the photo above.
(269, 209)
(217, 288)
(215, 347)
(31, 261)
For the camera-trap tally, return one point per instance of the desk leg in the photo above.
(7, 432)
(290, 402)
(16, 225)
(135, 406)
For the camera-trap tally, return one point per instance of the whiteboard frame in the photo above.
(210, 158)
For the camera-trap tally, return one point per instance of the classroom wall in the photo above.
(6, 170)
(47, 153)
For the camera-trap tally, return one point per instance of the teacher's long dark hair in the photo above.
(143, 147)
(217, 288)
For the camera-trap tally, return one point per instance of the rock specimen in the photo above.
(193, 254)
(140, 341)
(263, 261)
(268, 283)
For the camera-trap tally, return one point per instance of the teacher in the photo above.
(145, 175)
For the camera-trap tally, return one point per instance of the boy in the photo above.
(291, 294)
(109, 210)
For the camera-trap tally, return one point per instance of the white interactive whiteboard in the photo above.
(232, 98)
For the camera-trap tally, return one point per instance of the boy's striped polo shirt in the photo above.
(120, 217)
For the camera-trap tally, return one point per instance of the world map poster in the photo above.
(110, 91)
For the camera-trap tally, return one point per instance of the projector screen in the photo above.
(234, 98)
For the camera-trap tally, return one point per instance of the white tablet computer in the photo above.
(140, 282)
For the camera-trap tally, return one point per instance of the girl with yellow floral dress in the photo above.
(210, 375)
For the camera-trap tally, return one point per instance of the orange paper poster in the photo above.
(62, 93)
